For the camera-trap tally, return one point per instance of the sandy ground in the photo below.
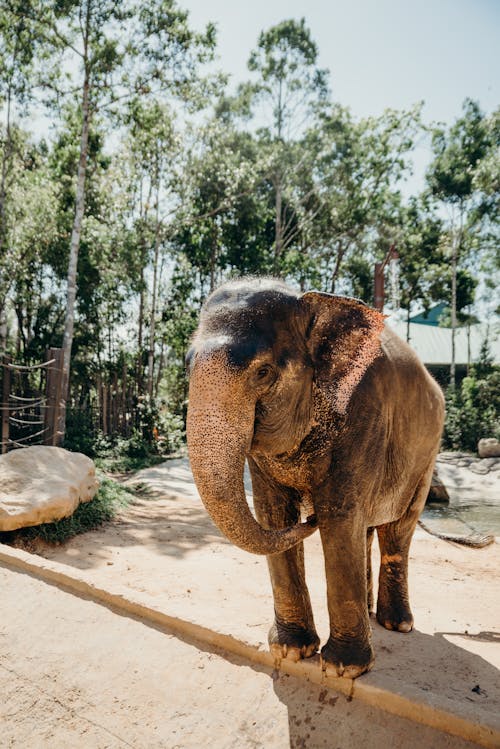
(78, 674)
(81, 676)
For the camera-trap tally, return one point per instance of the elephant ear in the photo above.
(343, 339)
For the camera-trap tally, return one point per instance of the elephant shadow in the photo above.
(425, 668)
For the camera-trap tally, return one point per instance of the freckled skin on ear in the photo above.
(340, 424)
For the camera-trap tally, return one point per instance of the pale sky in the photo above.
(381, 53)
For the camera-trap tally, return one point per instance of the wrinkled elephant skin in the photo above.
(340, 424)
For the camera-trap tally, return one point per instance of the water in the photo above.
(481, 515)
(474, 499)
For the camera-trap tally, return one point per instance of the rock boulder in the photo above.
(488, 448)
(437, 491)
(41, 484)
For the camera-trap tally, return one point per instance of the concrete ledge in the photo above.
(363, 689)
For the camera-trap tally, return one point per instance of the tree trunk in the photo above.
(214, 253)
(75, 235)
(161, 366)
(278, 231)
(6, 157)
(468, 340)
(139, 364)
(453, 313)
(153, 301)
(144, 254)
(341, 251)
(455, 248)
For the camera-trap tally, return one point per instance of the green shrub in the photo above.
(80, 432)
(473, 409)
(121, 455)
(157, 433)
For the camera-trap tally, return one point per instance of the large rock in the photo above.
(437, 491)
(488, 448)
(41, 484)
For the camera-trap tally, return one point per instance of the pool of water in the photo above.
(481, 515)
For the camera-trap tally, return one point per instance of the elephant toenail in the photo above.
(405, 627)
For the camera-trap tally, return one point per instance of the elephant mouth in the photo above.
(280, 428)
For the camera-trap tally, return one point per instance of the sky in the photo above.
(381, 53)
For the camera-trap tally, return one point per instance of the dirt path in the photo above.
(90, 675)
(75, 674)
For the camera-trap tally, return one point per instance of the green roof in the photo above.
(431, 316)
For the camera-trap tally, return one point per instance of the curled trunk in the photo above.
(220, 427)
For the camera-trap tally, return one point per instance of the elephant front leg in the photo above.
(292, 634)
(348, 651)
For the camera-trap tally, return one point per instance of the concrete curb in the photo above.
(122, 600)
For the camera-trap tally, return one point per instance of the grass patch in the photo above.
(110, 498)
(126, 463)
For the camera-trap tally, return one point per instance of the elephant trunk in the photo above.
(220, 426)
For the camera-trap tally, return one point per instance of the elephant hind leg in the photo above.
(393, 606)
(369, 575)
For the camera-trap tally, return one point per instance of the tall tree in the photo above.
(453, 177)
(153, 146)
(289, 88)
(19, 48)
(224, 214)
(356, 169)
(109, 50)
(422, 260)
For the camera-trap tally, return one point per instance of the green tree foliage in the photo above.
(461, 177)
(226, 218)
(20, 48)
(105, 51)
(473, 410)
(290, 89)
(157, 182)
(357, 169)
(289, 81)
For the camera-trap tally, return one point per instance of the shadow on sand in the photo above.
(169, 528)
(319, 716)
(412, 665)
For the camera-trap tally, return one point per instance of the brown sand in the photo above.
(78, 674)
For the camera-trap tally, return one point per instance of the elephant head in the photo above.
(258, 350)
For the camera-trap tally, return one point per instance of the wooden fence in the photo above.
(31, 404)
(33, 411)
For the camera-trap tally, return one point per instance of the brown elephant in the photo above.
(339, 422)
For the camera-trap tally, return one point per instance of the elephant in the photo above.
(340, 424)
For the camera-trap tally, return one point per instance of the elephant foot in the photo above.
(347, 658)
(292, 642)
(398, 620)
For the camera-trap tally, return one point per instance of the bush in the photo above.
(473, 410)
(157, 433)
(121, 455)
(157, 427)
(80, 431)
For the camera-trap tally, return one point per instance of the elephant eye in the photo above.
(264, 373)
